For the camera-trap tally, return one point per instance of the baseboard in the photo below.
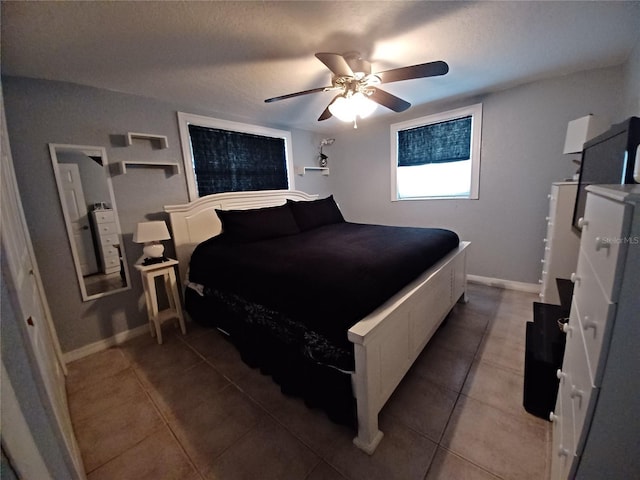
(100, 345)
(122, 337)
(506, 284)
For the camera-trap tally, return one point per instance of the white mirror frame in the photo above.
(54, 148)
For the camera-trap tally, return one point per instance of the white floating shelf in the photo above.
(303, 170)
(161, 139)
(175, 167)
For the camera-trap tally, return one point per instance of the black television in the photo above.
(609, 158)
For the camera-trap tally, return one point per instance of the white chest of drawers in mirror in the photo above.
(596, 431)
(107, 238)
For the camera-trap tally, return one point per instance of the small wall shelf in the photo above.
(173, 166)
(302, 170)
(161, 139)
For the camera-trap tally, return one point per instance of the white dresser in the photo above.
(107, 239)
(561, 243)
(596, 424)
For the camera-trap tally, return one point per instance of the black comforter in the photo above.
(328, 277)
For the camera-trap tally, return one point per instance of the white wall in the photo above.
(522, 140)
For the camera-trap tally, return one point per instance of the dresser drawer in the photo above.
(109, 239)
(603, 242)
(112, 262)
(563, 447)
(104, 216)
(579, 388)
(595, 314)
(110, 251)
(106, 228)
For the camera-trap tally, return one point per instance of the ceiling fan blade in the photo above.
(297, 94)
(336, 63)
(431, 69)
(390, 101)
(325, 115)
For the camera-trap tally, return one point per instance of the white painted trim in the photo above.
(95, 347)
(184, 119)
(506, 284)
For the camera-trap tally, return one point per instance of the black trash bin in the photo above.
(543, 357)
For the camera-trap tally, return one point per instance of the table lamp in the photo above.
(151, 233)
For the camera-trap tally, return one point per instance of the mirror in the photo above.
(91, 219)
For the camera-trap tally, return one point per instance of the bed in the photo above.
(382, 317)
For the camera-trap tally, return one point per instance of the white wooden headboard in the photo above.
(195, 222)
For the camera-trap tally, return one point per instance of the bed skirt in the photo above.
(274, 353)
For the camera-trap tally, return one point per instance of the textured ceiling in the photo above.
(229, 56)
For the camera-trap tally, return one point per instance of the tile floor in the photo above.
(190, 409)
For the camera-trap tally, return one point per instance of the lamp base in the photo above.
(153, 250)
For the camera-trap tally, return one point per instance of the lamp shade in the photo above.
(147, 232)
(582, 130)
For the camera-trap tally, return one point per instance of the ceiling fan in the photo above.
(358, 88)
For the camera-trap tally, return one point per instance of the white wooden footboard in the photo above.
(388, 341)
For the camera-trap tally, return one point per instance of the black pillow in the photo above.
(258, 223)
(315, 213)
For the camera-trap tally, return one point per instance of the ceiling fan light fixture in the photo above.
(342, 110)
(352, 106)
(363, 105)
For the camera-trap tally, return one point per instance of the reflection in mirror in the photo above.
(91, 219)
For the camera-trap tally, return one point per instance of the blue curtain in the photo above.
(441, 142)
(227, 161)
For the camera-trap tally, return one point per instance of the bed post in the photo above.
(366, 384)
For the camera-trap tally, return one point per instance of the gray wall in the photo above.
(523, 135)
(522, 141)
(632, 83)
(41, 112)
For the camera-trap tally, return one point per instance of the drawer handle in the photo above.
(566, 328)
(563, 452)
(544, 240)
(575, 392)
(582, 223)
(560, 374)
(588, 323)
(602, 243)
(553, 417)
(575, 278)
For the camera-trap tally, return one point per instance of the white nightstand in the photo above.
(149, 274)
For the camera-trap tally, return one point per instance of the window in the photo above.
(224, 156)
(437, 156)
